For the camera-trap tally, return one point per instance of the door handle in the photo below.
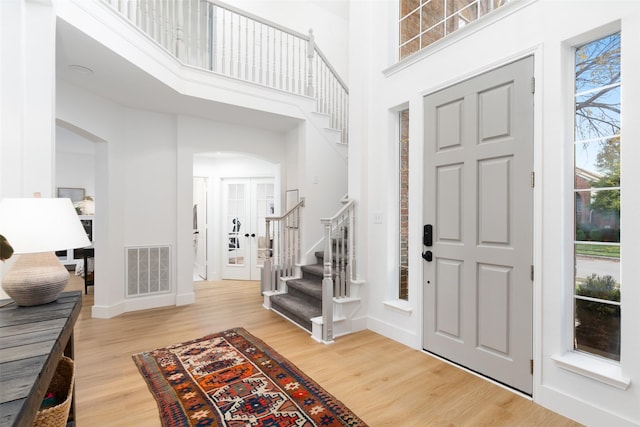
(253, 234)
(427, 235)
(427, 256)
(246, 234)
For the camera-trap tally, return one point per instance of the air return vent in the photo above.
(148, 270)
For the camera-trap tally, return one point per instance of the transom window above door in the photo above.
(423, 22)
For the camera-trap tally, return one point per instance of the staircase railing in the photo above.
(283, 247)
(339, 262)
(222, 39)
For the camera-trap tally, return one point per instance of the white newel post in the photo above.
(180, 48)
(311, 48)
(327, 287)
(266, 284)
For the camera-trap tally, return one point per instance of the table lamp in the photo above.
(36, 228)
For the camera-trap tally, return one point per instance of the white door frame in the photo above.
(200, 230)
(241, 245)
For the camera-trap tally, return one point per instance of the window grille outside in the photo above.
(423, 22)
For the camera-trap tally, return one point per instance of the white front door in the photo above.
(246, 203)
(479, 201)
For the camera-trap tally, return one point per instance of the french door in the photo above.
(246, 202)
(479, 202)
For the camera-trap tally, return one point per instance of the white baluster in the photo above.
(311, 48)
(180, 46)
(239, 47)
(281, 59)
(132, 11)
(261, 71)
(273, 63)
(253, 52)
(268, 59)
(287, 71)
(197, 35)
(246, 48)
(224, 41)
(213, 39)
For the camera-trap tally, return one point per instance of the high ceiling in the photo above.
(120, 81)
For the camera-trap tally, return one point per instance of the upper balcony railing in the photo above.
(217, 37)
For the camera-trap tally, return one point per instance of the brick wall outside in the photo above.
(404, 204)
(423, 22)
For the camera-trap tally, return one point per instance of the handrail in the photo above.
(223, 39)
(286, 214)
(339, 232)
(250, 15)
(282, 247)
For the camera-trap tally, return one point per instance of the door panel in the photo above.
(494, 283)
(494, 213)
(448, 297)
(478, 161)
(450, 202)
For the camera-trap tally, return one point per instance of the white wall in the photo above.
(144, 184)
(135, 176)
(27, 84)
(75, 161)
(543, 29)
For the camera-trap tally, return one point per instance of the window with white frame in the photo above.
(403, 178)
(423, 22)
(597, 139)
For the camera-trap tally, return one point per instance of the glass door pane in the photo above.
(235, 218)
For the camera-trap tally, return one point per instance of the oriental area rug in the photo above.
(232, 378)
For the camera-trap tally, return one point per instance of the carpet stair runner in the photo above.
(303, 300)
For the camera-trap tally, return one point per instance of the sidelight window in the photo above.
(403, 169)
(597, 139)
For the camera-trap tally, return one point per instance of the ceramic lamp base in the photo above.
(35, 279)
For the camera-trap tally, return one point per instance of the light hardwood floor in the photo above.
(385, 383)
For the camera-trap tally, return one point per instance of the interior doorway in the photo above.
(214, 171)
(478, 255)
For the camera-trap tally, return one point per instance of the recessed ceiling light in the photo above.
(81, 69)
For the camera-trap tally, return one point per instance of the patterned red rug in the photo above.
(234, 379)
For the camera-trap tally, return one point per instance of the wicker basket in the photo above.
(61, 385)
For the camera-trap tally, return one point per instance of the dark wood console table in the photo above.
(32, 340)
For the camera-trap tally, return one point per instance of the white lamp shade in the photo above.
(33, 225)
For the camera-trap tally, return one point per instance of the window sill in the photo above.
(594, 368)
(399, 305)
